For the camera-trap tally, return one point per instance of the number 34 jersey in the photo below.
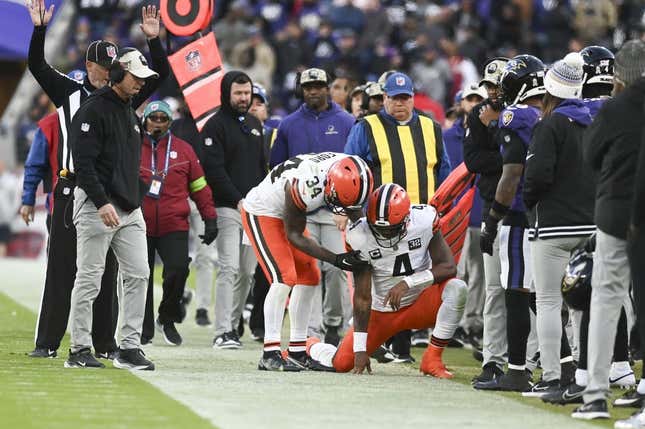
(391, 264)
(306, 173)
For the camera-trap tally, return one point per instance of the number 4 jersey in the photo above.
(391, 264)
(306, 173)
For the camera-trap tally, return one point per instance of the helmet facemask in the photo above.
(387, 235)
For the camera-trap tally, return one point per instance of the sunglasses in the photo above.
(159, 118)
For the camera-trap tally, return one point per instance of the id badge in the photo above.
(155, 187)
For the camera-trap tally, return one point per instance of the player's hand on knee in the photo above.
(395, 294)
(362, 363)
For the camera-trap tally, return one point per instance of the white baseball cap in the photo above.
(474, 89)
(134, 62)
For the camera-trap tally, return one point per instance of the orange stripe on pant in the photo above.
(280, 261)
(420, 315)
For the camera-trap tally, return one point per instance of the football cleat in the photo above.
(621, 375)
(513, 381)
(630, 399)
(572, 394)
(591, 411)
(273, 361)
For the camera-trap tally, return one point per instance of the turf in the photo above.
(40, 393)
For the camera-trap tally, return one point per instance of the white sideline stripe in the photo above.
(225, 387)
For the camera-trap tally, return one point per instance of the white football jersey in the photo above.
(306, 172)
(391, 264)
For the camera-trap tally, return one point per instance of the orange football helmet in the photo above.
(388, 214)
(348, 184)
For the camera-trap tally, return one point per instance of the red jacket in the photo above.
(170, 212)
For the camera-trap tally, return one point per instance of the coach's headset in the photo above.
(116, 71)
(297, 89)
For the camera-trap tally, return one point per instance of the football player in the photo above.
(522, 85)
(274, 217)
(410, 284)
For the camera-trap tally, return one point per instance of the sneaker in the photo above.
(82, 359)
(234, 337)
(420, 338)
(636, 421)
(272, 361)
(43, 352)
(257, 335)
(201, 317)
(593, 410)
(225, 341)
(572, 394)
(106, 355)
(331, 335)
(299, 359)
(133, 359)
(383, 355)
(170, 334)
(621, 375)
(542, 388)
(513, 381)
(630, 399)
(403, 359)
(489, 372)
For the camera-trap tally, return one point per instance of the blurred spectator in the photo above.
(255, 57)
(594, 19)
(292, 50)
(231, 29)
(432, 74)
(9, 204)
(339, 91)
(344, 15)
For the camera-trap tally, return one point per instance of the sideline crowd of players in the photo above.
(537, 138)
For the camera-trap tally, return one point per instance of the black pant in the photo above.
(636, 254)
(59, 281)
(260, 290)
(173, 250)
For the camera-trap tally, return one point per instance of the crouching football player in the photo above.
(410, 284)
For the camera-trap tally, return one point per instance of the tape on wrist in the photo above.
(420, 279)
(360, 342)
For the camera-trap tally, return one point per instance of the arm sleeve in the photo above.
(160, 64)
(214, 152)
(357, 142)
(86, 139)
(479, 158)
(513, 149)
(539, 171)
(198, 188)
(35, 168)
(56, 85)
(279, 148)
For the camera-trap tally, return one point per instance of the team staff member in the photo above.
(403, 147)
(610, 147)
(319, 125)
(106, 141)
(560, 187)
(169, 166)
(234, 162)
(67, 94)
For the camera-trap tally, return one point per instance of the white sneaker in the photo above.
(621, 375)
(636, 421)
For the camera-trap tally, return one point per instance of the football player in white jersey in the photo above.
(410, 284)
(274, 217)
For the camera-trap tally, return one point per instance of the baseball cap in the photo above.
(474, 89)
(259, 91)
(398, 83)
(101, 52)
(313, 75)
(134, 62)
(76, 75)
(157, 106)
(493, 70)
(373, 89)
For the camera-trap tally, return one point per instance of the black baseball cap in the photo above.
(101, 52)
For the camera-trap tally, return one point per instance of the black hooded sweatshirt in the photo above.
(232, 154)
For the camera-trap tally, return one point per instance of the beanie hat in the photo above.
(157, 106)
(565, 78)
(629, 63)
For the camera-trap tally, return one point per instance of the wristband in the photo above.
(420, 279)
(498, 210)
(360, 342)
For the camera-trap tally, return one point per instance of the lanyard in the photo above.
(154, 160)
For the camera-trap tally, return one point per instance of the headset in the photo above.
(116, 71)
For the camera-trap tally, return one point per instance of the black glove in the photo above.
(210, 231)
(489, 232)
(350, 261)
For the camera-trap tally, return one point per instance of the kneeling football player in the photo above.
(410, 284)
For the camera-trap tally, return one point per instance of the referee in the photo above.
(67, 95)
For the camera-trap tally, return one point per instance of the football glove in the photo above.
(350, 261)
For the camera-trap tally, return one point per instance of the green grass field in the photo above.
(196, 386)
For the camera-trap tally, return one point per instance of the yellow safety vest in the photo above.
(405, 154)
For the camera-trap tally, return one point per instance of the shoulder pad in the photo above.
(518, 116)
